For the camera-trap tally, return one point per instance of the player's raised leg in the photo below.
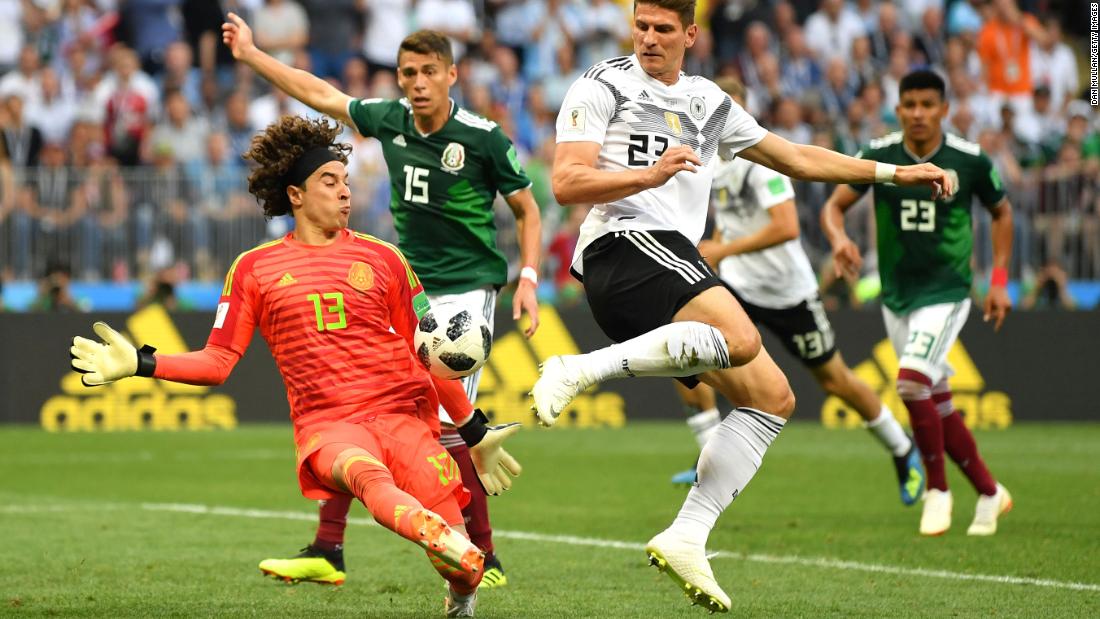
(357, 470)
(836, 378)
(959, 443)
(703, 419)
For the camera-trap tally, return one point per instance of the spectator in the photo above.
(1080, 133)
(788, 122)
(731, 22)
(237, 125)
(355, 78)
(840, 88)
(333, 27)
(99, 216)
(149, 27)
(864, 68)
(25, 80)
(54, 294)
(387, 25)
(1050, 291)
(551, 23)
(162, 291)
(560, 255)
(831, 30)
(867, 11)
(22, 141)
(454, 18)
(11, 33)
(56, 111)
(882, 36)
(801, 73)
(1053, 65)
(509, 88)
(180, 73)
(929, 36)
(964, 17)
(557, 84)
(180, 132)
(1004, 47)
(758, 42)
(127, 96)
(1043, 124)
(282, 29)
(608, 27)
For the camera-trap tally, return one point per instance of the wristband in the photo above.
(999, 277)
(475, 429)
(884, 172)
(529, 273)
(147, 363)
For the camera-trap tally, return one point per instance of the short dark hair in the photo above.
(922, 79)
(428, 42)
(685, 9)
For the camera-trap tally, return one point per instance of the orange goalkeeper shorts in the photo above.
(403, 443)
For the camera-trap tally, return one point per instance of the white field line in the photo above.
(572, 540)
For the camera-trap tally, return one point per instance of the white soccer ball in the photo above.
(452, 341)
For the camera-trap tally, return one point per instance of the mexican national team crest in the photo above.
(454, 157)
(361, 276)
(697, 108)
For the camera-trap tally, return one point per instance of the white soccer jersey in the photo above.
(636, 118)
(777, 277)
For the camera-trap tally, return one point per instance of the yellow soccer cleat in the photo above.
(494, 574)
(310, 565)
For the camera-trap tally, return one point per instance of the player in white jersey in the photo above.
(760, 258)
(639, 140)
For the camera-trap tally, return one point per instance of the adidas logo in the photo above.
(644, 96)
(400, 141)
(286, 280)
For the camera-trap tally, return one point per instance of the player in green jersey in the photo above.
(924, 251)
(446, 166)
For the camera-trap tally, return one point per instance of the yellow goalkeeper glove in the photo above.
(110, 360)
(495, 466)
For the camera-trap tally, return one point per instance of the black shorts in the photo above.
(803, 329)
(636, 280)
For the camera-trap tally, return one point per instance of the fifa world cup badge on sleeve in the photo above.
(574, 123)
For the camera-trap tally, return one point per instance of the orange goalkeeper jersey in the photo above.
(339, 320)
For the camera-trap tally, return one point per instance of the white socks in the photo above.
(704, 424)
(726, 465)
(888, 432)
(676, 349)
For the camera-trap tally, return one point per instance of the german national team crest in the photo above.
(954, 176)
(697, 108)
(454, 157)
(361, 276)
(673, 122)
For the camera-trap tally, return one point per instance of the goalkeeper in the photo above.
(338, 310)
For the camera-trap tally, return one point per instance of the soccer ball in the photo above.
(452, 341)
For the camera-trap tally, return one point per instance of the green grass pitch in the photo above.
(173, 525)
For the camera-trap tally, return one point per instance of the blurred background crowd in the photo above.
(123, 121)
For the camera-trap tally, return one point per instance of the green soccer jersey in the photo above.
(442, 187)
(924, 245)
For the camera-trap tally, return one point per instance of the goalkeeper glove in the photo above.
(495, 467)
(108, 361)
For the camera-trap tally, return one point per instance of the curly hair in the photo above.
(276, 149)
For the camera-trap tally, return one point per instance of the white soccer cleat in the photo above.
(556, 387)
(686, 564)
(460, 606)
(936, 518)
(987, 511)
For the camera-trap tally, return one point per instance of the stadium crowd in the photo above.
(123, 121)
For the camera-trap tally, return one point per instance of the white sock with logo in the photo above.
(726, 465)
(703, 425)
(889, 432)
(676, 349)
